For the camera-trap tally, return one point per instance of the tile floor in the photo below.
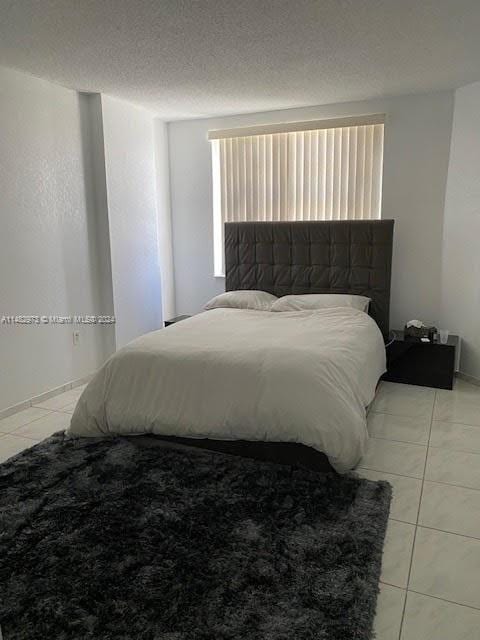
(23, 429)
(426, 443)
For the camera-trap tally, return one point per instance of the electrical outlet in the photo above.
(76, 337)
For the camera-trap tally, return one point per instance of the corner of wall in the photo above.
(460, 275)
(131, 192)
(164, 216)
(95, 177)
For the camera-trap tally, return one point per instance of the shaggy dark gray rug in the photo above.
(111, 540)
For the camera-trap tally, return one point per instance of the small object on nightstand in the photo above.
(443, 333)
(417, 330)
(427, 364)
(167, 323)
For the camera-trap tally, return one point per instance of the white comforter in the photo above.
(300, 376)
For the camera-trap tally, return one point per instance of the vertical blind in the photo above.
(321, 174)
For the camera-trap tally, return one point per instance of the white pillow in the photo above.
(320, 301)
(244, 299)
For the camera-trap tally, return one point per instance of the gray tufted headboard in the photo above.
(341, 256)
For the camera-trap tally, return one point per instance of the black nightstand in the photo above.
(167, 323)
(428, 364)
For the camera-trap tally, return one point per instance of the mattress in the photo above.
(231, 374)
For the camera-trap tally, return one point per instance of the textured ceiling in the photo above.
(215, 57)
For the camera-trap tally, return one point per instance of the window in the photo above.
(320, 170)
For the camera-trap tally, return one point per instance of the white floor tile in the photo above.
(54, 404)
(389, 612)
(402, 428)
(70, 408)
(460, 385)
(450, 508)
(394, 457)
(463, 385)
(453, 467)
(446, 566)
(404, 400)
(22, 417)
(79, 388)
(397, 553)
(458, 406)
(76, 392)
(405, 494)
(460, 437)
(11, 445)
(61, 400)
(44, 427)
(432, 619)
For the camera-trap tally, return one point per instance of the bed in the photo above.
(290, 386)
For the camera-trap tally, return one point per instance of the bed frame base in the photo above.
(289, 453)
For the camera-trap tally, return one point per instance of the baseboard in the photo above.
(20, 406)
(468, 378)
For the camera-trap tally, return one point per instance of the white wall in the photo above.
(50, 247)
(79, 229)
(461, 253)
(417, 139)
(132, 212)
